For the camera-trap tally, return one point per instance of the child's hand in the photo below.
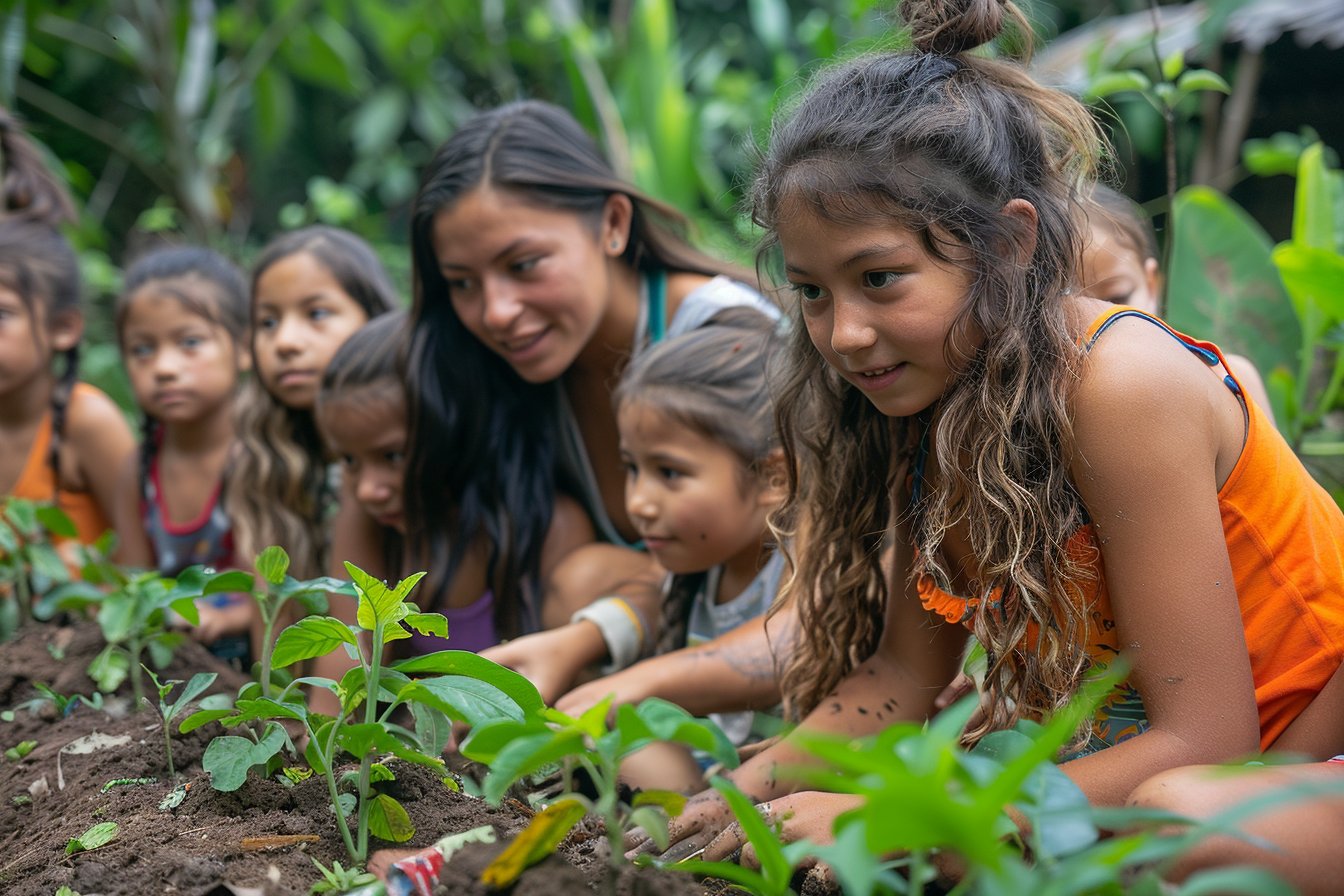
(810, 815)
(702, 819)
(231, 618)
(552, 659)
(626, 686)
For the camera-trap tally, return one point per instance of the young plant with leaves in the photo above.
(273, 589)
(458, 686)
(518, 748)
(168, 711)
(135, 616)
(29, 564)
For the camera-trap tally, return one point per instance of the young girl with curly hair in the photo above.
(980, 447)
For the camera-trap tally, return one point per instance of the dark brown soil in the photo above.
(198, 848)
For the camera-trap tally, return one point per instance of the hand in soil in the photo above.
(810, 815)
(705, 815)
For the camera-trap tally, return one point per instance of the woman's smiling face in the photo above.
(531, 283)
(877, 305)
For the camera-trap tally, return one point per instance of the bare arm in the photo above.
(133, 547)
(1155, 435)
(735, 671)
(103, 444)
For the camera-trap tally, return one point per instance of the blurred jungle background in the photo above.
(226, 122)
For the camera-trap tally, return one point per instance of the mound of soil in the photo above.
(211, 842)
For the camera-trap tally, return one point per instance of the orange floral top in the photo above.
(1285, 538)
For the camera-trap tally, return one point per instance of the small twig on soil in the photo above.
(17, 859)
(277, 841)
(197, 830)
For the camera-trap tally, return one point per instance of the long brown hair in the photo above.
(467, 403)
(278, 491)
(937, 140)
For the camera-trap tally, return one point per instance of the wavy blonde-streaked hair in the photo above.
(278, 490)
(937, 141)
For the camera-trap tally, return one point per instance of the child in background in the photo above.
(61, 441)
(1070, 480)
(361, 412)
(182, 324)
(311, 289)
(1120, 266)
(703, 473)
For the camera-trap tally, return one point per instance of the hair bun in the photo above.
(949, 27)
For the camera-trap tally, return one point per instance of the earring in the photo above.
(615, 245)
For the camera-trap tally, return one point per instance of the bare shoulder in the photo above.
(93, 416)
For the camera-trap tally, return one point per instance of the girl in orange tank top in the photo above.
(977, 444)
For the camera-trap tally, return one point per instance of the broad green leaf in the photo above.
(484, 742)
(1116, 82)
(464, 662)
(187, 609)
(228, 582)
(1242, 879)
(9, 542)
(377, 603)
(47, 564)
(310, 637)
(1223, 285)
(465, 699)
(23, 514)
(227, 759)
(56, 521)
(1173, 65)
(110, 668)
(534, 843)
(526, 755)
(202, 717)
(669, 722)
(389, 821)
(193, 689)
(1201, 79)
(272, 564)
(435, 624)
(1313, 275)
(99, 835)
(1314, 203)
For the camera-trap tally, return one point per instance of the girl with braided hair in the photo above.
(61, 441)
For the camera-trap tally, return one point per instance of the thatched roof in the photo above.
(1255, 25)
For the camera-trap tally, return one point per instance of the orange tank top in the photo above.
(1285, 539)
(38, 480)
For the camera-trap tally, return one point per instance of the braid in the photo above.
(60, 404)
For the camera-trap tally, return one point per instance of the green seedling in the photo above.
(167, 711)
(63, 705)
(99, 835)
(20, 750)
(517, 749)
(273, 589)
(337, 879)
(458, 686)
(135, 616)
(65, 891)
(30, 566)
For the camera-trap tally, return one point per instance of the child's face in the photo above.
(877, 306)
(367, 430)
(686, 494)
(301, 316)
(1114, 271)
(27, 342)
(531, 283)
(182, 366)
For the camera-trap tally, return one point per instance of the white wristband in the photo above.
(621, 628)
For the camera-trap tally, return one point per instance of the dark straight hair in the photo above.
(465, 402)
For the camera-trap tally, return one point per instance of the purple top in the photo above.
(469, 628)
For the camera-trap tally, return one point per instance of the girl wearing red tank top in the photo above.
(981, 446)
